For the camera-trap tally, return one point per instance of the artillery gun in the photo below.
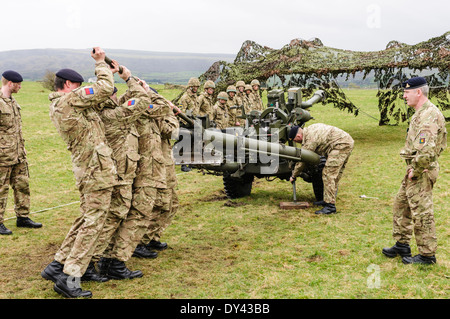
(260, 148)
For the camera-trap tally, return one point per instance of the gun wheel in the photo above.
(238, 187)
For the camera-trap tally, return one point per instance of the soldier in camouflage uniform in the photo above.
(118, 116)
(331, 142)
(150, 175)
(413, 205)
(166, 203)
(188, 100)
(220, 111)
(240, 85)
(240, 100)
(231, 104)
(248, 99)
(206, 99)
(72, 111)
(256, 96)
(13, 161)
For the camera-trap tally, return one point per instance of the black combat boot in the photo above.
(91, 274)
(154, 244)
(419, 259)
(103, 265)
(185, 168)
(70, 287)
(52, 271)
(327, 209)
(398, 249)
(319, 203)
(142, 252)
(27, 222)
(118, 270)
(4, 230)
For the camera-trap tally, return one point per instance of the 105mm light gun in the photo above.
(260, 148)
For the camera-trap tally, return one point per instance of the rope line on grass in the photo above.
(46, 209)
(59, 206)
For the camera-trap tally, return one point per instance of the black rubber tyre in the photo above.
(238, 187)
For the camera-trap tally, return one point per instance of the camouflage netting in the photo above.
(310, 65)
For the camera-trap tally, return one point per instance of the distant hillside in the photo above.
(154, 67)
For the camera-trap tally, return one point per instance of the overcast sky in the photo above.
(209, 26)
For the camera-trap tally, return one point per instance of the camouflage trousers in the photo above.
(166, 206)
(332, 172)
(130, 232)
(118, 210)
(18, 177)
(413, 212)
(78, 247)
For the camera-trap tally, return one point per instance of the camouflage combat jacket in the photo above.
(80, 126)
(205, 104)
(232, 112)
(322, 139)
(248, 103)
(168, 125)
(188, 101)
(425, 140)
(12, 144)
(120, 130)
(220, 115)
(151, 170)
(256, 101)
(239, 97)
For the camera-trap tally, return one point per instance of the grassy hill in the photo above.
(154, 67)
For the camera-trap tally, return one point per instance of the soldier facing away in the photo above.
(166, 203)
(72, 111)
(13, 160)
(119, 116)
(331, 142)
(413, 204)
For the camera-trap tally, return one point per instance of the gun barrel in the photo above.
(317, 97)
(184, 117)
(275, 149)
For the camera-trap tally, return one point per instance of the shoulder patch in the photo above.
(131, 102)
(422, 137)
(89, 90)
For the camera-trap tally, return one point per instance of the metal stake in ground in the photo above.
(294, 204)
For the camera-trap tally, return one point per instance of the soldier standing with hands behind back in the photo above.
(413, 205)
(13, 161)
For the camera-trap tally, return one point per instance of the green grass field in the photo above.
(249, 248)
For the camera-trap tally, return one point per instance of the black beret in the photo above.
(69, 74)
(293, 132)
(115, 90)
(12, 76)
(414, 83)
